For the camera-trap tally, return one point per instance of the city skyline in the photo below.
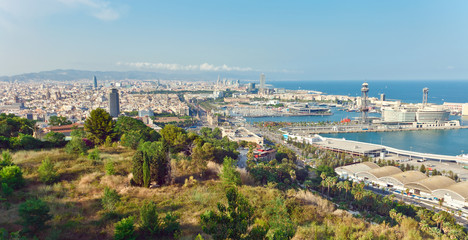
(333, 40)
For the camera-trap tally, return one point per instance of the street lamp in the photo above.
(411, 150)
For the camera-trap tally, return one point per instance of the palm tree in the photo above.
(346, 187)
(441, 202)
(333, 181)
(340, 186)
(424, 226)
(438, 218)
(323, 176)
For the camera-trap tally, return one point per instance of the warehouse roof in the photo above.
(384, 171)
(460, 189)
(359, 167)
(431, 184)
(350, 146)
(407, 177)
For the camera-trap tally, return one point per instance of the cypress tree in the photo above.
(138, 168)
(146, 172)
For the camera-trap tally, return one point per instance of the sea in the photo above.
(446, 142)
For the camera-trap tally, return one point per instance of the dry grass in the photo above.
(246, 178)
(75, 200)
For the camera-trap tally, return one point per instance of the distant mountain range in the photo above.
(73, 75)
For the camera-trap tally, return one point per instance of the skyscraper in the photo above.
(114, 108)
(95, 82)
(262, 82)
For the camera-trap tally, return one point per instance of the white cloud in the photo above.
(98, 8)
(450, 67)
(14, 11)
(179, 67)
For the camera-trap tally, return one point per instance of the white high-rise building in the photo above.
(262, 81)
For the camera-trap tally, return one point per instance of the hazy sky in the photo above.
(326, 39)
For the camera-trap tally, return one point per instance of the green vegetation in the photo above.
(230, 222)
(229, 175)
(34, 214)
(196, 191)
(110, 199)
(99, 125)
(47, 172)
(125, 229)
(59, 121)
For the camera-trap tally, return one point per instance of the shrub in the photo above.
(110, 170)
(34, 214)
(110, 199)
(47, 172)
(12, 176)
(76, 146)
(171, 225)
(6, 159)
(150, 223)
(125, 229)
(230, 221)
(95, 155)
(6, 190)
(229, 174)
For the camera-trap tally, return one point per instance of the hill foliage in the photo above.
(183, 185)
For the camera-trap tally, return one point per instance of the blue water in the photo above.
(337, 116)
(447, 142)
(406, 91)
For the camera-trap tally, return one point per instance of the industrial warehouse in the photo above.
(392, 178)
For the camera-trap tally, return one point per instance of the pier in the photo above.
(311, 130)
(373, 150)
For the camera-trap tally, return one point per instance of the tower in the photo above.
(262, 82)
(425, 93)
(95, 82)
(364, 108)
(114, 108)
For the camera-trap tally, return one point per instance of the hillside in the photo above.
(77, 213)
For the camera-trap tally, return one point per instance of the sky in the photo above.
(287, 40)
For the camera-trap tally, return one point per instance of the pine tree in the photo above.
(422, 168)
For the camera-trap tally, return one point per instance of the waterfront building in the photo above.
(430, 188)
(114, 108)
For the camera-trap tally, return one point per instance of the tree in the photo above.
(125, 229)
(146, 172)
(175, 137)
(110, 199)
(6, 160)
(99, 126)
(137, 167)
(229, 175)
(56, 138)
(160, 167)
(34, 214)
(347, 187)
(12, 176)
(132, 131)
(12, 126)
(58, 121)
(76, 146)
(47, 172)
(422, 168)
(150, 223)
(231, 221)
